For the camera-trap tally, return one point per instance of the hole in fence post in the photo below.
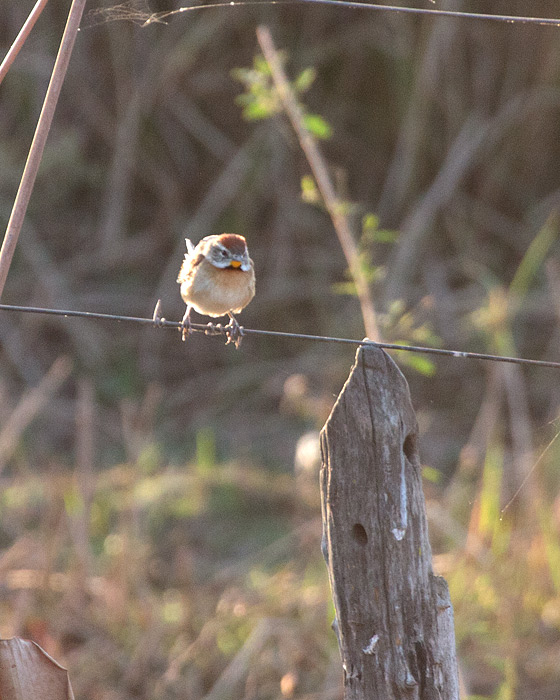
(359, 534)
(409, 446)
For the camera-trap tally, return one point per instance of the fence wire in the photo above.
(217, 329)
(123, 12)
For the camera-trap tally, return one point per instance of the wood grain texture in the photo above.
(394, 619)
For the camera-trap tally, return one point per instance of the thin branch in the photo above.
(21, 37)
(419, 223)
(41, 132)
(322, 177)
(30, 405)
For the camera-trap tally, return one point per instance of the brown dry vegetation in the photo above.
(154, 534)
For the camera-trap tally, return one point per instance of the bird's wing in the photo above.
(187, 268)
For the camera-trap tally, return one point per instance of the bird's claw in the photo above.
(234, 332)
(214, 329)
(185, 328)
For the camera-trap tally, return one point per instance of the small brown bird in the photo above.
(217, 278)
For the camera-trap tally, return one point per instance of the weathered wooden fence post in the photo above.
(394, 618)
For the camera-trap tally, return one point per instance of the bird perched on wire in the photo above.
(217, 278)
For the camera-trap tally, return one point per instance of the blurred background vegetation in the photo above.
(160, 523)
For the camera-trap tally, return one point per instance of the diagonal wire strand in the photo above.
(145, 19)
(218, 329)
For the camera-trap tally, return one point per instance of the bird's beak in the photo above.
(235, 263)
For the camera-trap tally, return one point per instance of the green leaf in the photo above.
(305, 79)
(261, 64)
(385, 236)
(309, 192)
(344, 288)
(421, 365)
(344, 207)
(396, 308)
(315, 124)
(258, 110)
(373, 234)
(534, 257)
(431, 474)
(370, 222)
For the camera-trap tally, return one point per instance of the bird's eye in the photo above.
(223, 253)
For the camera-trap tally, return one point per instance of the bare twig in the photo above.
(236, 672)
(19, 41)
(403, 169)
(89, 343)
(324, 182)
(419, 223)
(30, 405)
(37, 146)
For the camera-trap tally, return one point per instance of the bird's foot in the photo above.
(185, 327)
(234, 332)
(214, 329)
(157, 318)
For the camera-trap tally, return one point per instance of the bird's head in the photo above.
(226, 251)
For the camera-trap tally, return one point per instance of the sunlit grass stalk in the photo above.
(551, 544)
(38, 144)
(19, 41)
(490, 524)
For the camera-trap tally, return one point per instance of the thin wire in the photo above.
(528, 475)
(510, 19)
(218, 329)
